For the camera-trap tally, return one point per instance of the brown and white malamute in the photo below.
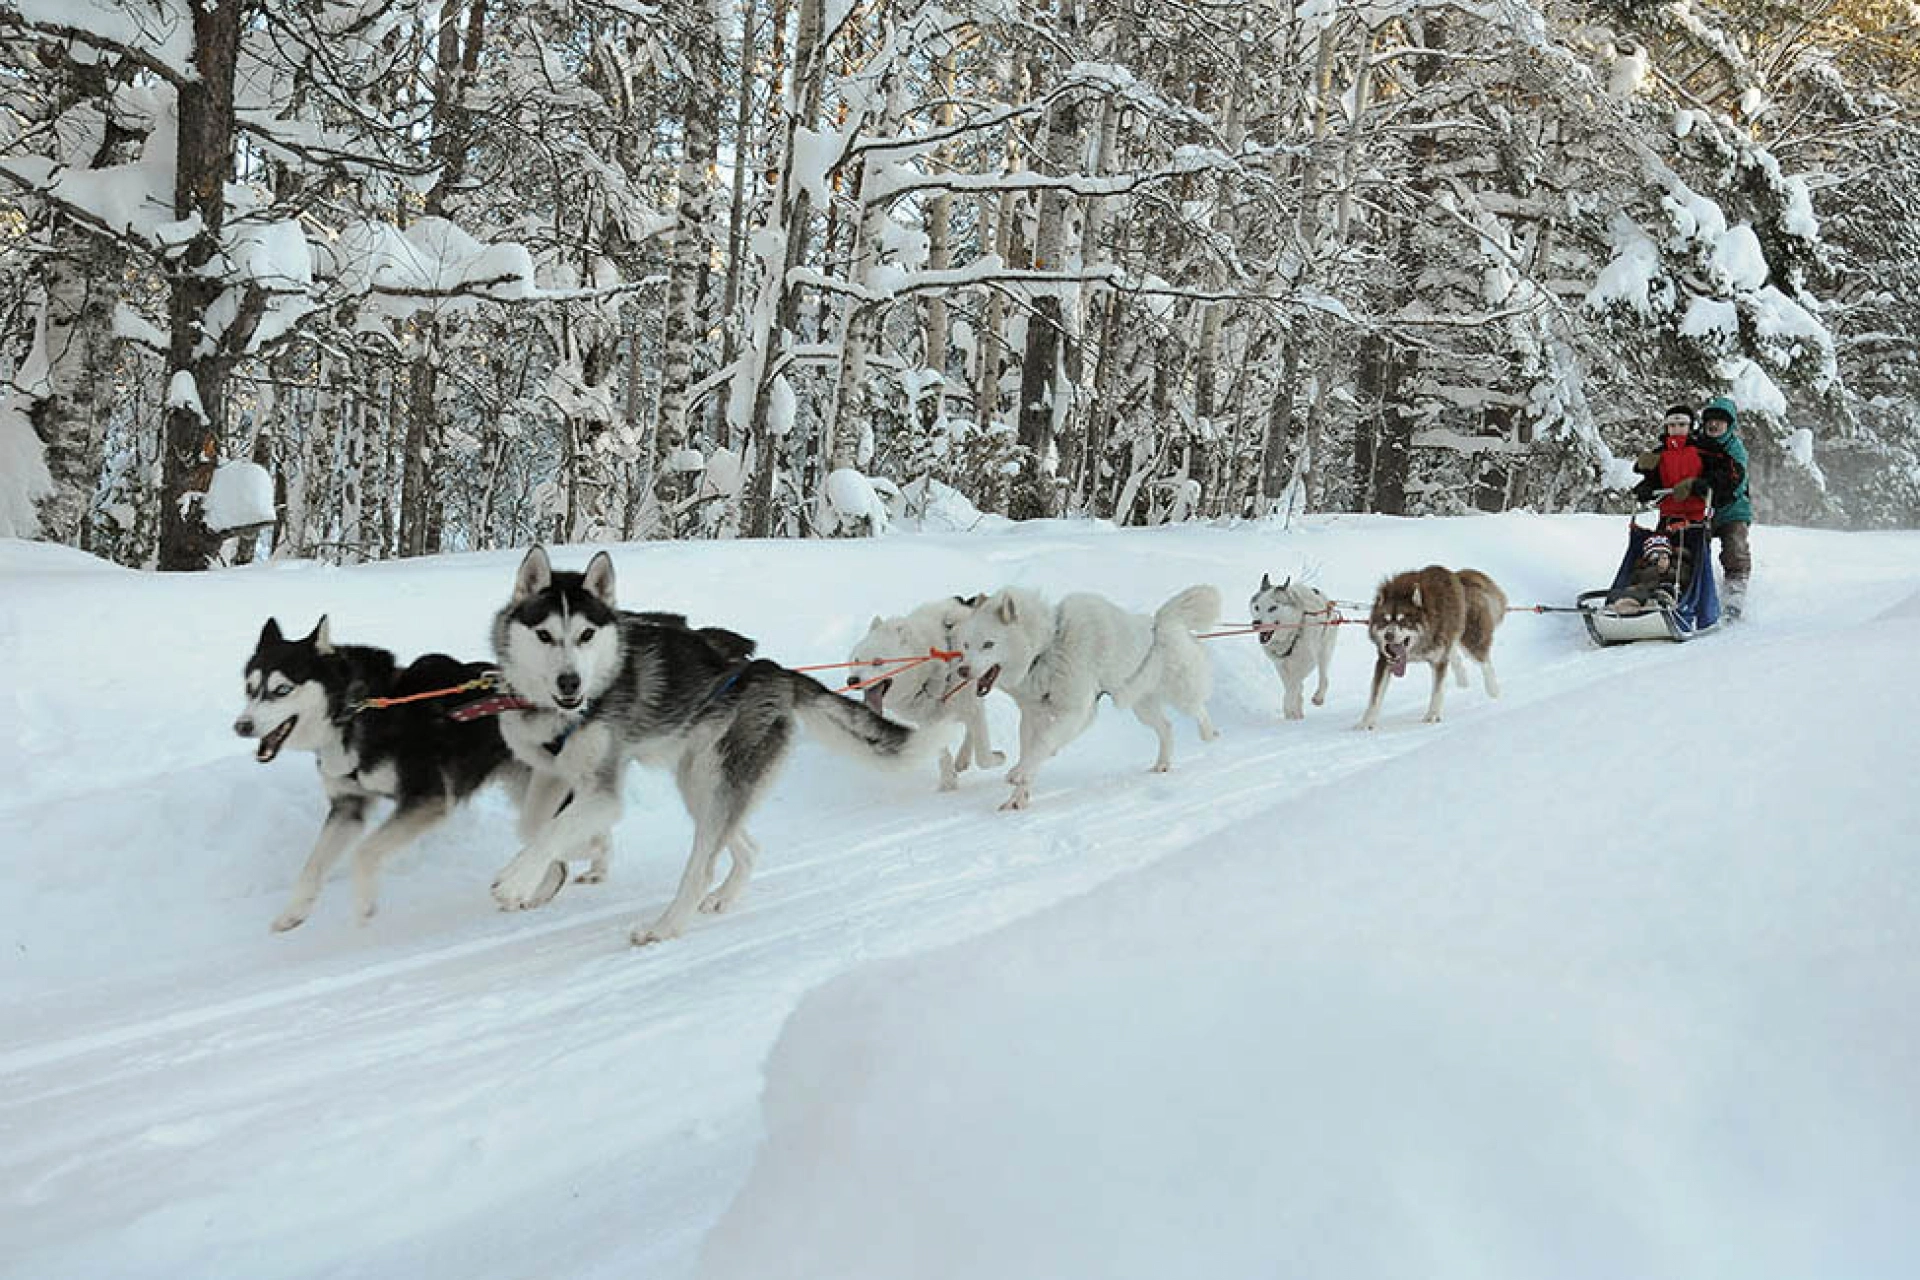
(1432, 615)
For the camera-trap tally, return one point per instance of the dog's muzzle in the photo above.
(987, 678)
(270, 744)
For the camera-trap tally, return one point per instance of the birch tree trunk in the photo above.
(1042, 386)
(1099, 310)
(1309, 232)
(990, 343)
(745, 153)
(1215, 464)
(848, 421)
(71, 421)
(777, 310)
(685, 327)
(936, 332)
(422, 505)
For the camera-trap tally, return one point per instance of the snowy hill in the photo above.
(1609, 977)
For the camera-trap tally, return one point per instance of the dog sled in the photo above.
(1681, 610)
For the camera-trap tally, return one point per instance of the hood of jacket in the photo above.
(1724, 405)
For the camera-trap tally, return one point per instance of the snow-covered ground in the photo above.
(1615, 976)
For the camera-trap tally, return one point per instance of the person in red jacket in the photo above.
(1686, 479)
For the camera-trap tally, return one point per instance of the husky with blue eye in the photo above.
(602, 687)
(312, 695)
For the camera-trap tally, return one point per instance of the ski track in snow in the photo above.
(531, 1086)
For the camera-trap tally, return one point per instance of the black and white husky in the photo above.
(309, 695)
(606, 687)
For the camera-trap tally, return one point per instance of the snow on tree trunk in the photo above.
(1042, 389)
(782, 246)
(71, 419)
(204, 165)
(685, 328)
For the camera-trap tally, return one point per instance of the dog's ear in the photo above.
(1007, 611)
(599, 579)
(972, 601)
(535, 575)
(270, 634)
(1416, 596)
(877, 623)
(321, 640)
(1265, 581)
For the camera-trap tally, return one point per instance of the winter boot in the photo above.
(1734, 600)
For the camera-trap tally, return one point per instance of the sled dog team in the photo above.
(583, 687)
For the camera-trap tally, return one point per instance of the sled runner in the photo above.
(1687, 609)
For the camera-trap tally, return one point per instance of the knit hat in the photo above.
(1678, 418)
(1657, 544)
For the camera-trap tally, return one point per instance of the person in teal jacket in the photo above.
(1733, 516)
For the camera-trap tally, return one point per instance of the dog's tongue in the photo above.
(1398, 657)
(270, 745)
(986, 680)
(876, 695)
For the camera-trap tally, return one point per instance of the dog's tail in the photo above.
(1174, 653)
(1194, 609)
(848, 726)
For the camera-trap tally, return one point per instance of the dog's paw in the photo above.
(995, 759)
(290, 919)
(1296, 713)
(1020, 799)
(647, 935)
(718, 902)
(1161, 766)
(595, 874)
(1433, 718)
(521, 887)
(1320, 699)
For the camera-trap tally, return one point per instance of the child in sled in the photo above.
(1657, 579)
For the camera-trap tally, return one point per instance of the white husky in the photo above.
(925, 693)
(1297, 636)
(1056, 661)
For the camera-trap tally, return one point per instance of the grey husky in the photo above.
(1057, 660)
(310, 695)
(603, 687)
(927, 694)
(1297, 635)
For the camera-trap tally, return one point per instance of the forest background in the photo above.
(442, 276)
